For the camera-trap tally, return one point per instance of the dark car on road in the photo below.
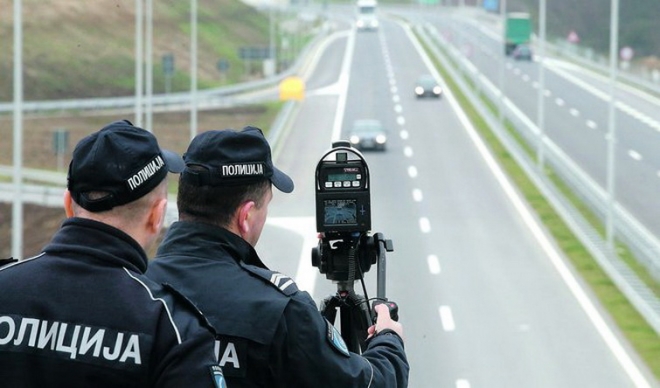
(427, 86)
(522, 53)
(368, 134)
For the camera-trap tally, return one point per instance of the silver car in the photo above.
(368, 134)
(427, 86)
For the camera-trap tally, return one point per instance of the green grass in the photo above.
(635, 328)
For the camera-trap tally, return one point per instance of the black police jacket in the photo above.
(82, 314)
(270, 334)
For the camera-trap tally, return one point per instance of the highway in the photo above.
(485, 298)
(576, 104)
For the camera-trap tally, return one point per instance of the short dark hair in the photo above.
(217, 204)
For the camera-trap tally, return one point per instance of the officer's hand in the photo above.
(384, 321)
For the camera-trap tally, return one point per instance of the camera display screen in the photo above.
(342, 177)
(340, 211)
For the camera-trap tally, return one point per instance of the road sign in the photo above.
(60, 146)
(491, 5)
(573, 37)
(626, 53)
(168, 64)
(254, 53)
(60, 141)
(223, 65)
(292, 88)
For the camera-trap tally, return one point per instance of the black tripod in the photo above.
(355, 317)
(346, 262)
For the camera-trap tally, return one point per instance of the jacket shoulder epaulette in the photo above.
(282, 282)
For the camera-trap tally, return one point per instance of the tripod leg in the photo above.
(354, 325)
(348, 329)
(329, 308)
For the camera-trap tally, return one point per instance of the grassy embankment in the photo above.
(74, 50)
(86, 49)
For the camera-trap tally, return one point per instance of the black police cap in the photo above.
(121, 160)
(230, 157)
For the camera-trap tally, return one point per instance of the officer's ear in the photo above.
(157, 215)
(243, 218)
(68, 204)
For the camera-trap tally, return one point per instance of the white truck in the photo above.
(366, 15)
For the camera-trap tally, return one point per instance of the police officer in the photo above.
(82, 313)
(270, 334)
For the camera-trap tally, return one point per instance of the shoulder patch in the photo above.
(335, 339)
(282, 282)
(218, 378)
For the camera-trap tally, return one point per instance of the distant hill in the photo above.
(80, 49)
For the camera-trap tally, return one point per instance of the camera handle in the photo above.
(382, 246)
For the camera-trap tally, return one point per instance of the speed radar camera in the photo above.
(342, 191)
(346, 250)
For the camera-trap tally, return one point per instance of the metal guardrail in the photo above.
(645, 245)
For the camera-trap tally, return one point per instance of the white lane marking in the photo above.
(592, 124)
(516, 71)
(434, 264)
(559, 101)
(398, 108)
(396, 98)
(574, 112)
(555, 66)
(535, 84)
(462, 383)
(412, 171)
(417, 195)
(424, 225)
(547, 93)
(447, 318)
(635, 155)
(400, 120)
(407, 150)
(525, 78)
(393, 89)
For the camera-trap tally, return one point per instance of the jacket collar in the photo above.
(85, 239)
(205, 240)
